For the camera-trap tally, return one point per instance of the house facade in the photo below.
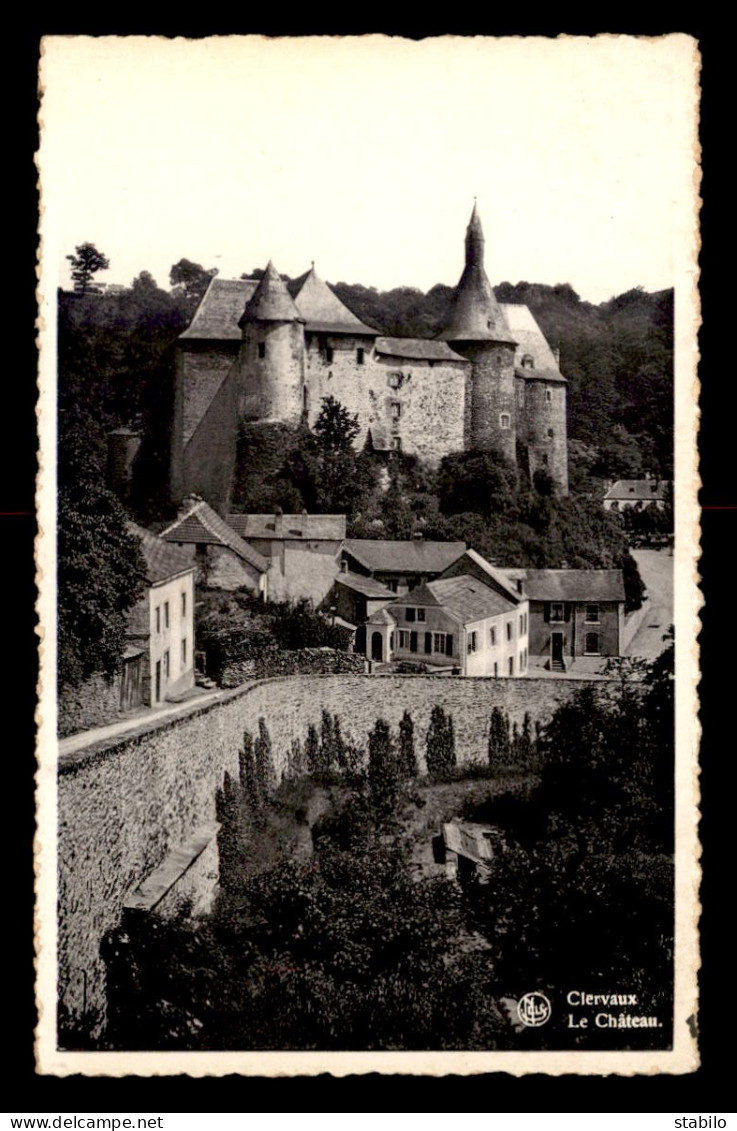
(160, 653)
(302, 551)
(573, 613)
(222, 559)
(458, 623)
(637, 493)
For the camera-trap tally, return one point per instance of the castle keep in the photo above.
(266, 350)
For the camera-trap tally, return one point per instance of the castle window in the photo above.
(505, 420)
(471, 642)
(396, 410)
(492, 636)
(395, 380)
(545, 461)
(328, 354)
(262, 349)
(359, 356)
(509, 630)
(550, 433)
(548, 396)
(397, 443)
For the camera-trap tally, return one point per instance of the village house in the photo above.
(574, 613)
(399, 565)
(222, 559)
(636, 493)
(159, 659)
(459, 623)
(302, 551)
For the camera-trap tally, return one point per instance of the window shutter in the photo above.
(413, 641)
(449, 644)
(546, 612)
(428, 642)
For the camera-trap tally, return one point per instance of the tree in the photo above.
(86, 263)
(440, 754)
(407, 756)
(191, 279)
(100, 576)
(498, 739)
(382, 768)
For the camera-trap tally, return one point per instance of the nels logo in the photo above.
(534, 1009)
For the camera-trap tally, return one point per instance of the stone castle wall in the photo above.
(124, 806)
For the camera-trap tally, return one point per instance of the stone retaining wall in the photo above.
(125, 805)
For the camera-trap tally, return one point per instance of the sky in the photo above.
(365, 154)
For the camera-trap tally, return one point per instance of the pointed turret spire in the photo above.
(271, 301)
(475, 313)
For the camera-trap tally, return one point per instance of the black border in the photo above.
(697, 1091)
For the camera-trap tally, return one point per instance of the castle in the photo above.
(266, 350)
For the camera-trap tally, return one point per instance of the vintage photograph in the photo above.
(368, 730)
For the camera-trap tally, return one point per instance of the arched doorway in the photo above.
(377, 646)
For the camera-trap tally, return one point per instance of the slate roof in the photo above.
(216, 318)
(162, 560)
(381, 616)
(652, 490)
(475, 314)
(311, 527)
(367, 586)
(202, 525)
(574, 584)
(498, 577)
(531, 340)
(416, 555)
(469, 599)
(271, 301)
(419, 349)
(322, 310)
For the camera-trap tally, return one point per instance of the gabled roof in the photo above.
(496, 577)
(652, 490)
(573, 584)
(216, 318)
(469, 599)
(321, 308)
(162, 560)
(419, 349)
(310, 527)
(366, 586)
(415, 555)
(420, 597)
(381, 616)
(203, 526)
(531, 342)
(271, 301)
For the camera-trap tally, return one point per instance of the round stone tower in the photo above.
(477, 330)
(272, 354)
(546, 419)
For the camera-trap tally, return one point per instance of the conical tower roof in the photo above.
(271, 301)
(321, 308)
(474, 312)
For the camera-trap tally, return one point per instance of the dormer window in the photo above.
(528, 361)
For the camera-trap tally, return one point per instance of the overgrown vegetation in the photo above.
(345, 945)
